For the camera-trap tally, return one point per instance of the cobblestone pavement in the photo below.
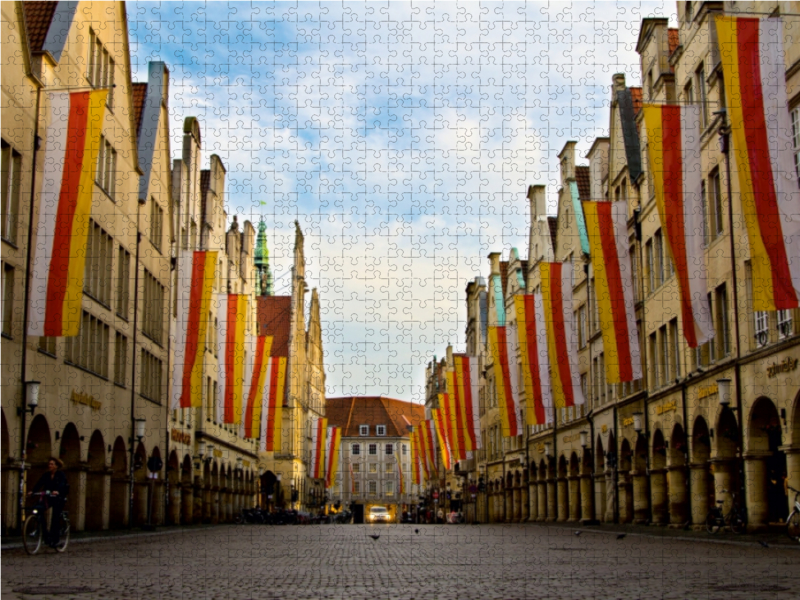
(439, 562)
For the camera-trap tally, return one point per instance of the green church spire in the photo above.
(261, 260)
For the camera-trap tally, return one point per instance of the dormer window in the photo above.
(380, 430)
(363, 430)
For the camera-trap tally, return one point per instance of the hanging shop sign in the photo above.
(707, 390)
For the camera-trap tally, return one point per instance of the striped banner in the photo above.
(260, 349)
(437, 416)
(456, 408)
(673, 134)
(428, 440)
(754, 66)
(506, 378)
(467, 398)
(232, 311)
(272, 417)
(607, 227)
(532, 332)
(332, 455)
(319, 430)
(196, 271)
(562, 345)
(415, 459)
(73, 143)
(449, 418)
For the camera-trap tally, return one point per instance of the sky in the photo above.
(402, 136)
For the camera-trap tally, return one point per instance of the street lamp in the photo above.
(239, 463)
(548, 449)
(584, 439)
(637, 422)
(31, 397)
(139, 429)
(724, 392)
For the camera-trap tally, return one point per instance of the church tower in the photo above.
(261, 261)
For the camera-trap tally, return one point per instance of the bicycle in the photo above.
(793, 520)
(735, 519)
(36, 524)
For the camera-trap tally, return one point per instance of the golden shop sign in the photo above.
(666, 407)
(706, 391)
(180, 436)
(627, 421)
(571, 438)
(85, 399)
(786, 365)
(540, 448)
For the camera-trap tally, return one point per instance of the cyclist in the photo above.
(54, 482)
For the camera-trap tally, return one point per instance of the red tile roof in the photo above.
(583, 179)
(139, 95)
(674, 39)
(351, 411)
(38, 16)
(273, 315)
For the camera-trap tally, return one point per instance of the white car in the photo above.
(379, 514)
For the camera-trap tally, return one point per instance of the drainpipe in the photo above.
(139, 205)
(615, 465)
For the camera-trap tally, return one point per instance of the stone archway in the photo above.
(155, 479)
(38, 449)
(600, 479)
(677, 459)
(542, 490)
(562, 490)
(140, 487)
(173, 482)
(725, 462)
(267, 489)
(659, 489)
(765, 465)
(702, 480)
(120, 484)
(587, 487)
(533, 493)
(187, 491)
(640, 480)
(625, 483)
(793, 453)
(9, 481)
(70, 454)
(574, 487)
(611, 486)
(507, 498)
(96, 490)
(516, 497)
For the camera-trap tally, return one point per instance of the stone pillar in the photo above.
(77, 498)
(551, 500)
(792, 471)
(755, 476)
(175, 502)
(508, 514)
(600, 497)
(699, 499)
(587, 497)
(158, 502)
(533, 501)
(563, 499)
(541, 500)
(524, 503)
(10, 489)
(107, 494)
(724, 482)
(140, 501)
(625, 498)
(658, 495)
(574, 498)
(517, 496)
(678, 509)
(610, 499)
(200, 504)
(641, 501)
(215, 505)
(187, 504)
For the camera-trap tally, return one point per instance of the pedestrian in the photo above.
(55, 483)
(440, 516)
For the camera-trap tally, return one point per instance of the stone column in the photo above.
(10, 489)
(200, 504)
(517, 496)
(524, 503)
(158, 502)
(699, 499)
(215, 505)
(600, 497)
(625, 498)
(508, 514)
(658, 495)
(587, 497)
(77, 498)
(755, 476)
(140, 501)
(541, 500)
(574, 498)
(724, 482)
(533, 501)
(610, 499)
(563, 498)
(792, 471)
(552, 513)
(678, 509)
(107, 494)
(641, 501)
(175, 502)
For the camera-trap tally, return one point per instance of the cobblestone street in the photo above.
(497, 561)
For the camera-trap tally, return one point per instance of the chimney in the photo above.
(538, 201)
(449, 355)
(619, 82)
(494, 261)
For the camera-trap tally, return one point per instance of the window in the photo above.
(153, 308)
(8, 299)
(653, 350)
(156, 224)
(101, 67)
(634, 273)
(356, 487)
(582, 333)
(796, 139)
(704, 211)
(373, 487)
(405, 449)
(355, 449)
(658, 252)
(584, 384)
(675, 339)
(11, 168)
(150, 382)
(373, 467)
(664, 358)
(761, 327)
(380, 430)
(47, 344)
(89, 349)
(389, 449)
(715, 222)
(723, 336)
(651, 282)
(700, 84)
(120, 358)
(373, 449)
(97, 271)
(123, 282)
(389, 467)
(356, 467)
(363, 430)
(106, 168)
(390, 488)
(784, 324)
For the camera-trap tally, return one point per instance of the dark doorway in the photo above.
(358, 513)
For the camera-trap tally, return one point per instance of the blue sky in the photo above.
(402, 136)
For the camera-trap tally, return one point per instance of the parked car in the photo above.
(379, 514)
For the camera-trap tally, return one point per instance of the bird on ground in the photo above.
(763, 544)
(375, 536)
(416, 531)
(578, 533)
(621, 536)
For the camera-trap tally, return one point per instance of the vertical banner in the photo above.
(332, 455)
(753, 64)
(423, 451)
(562, 343)
(272, 413)
(506, 378)
(195, 282)
(441, 434)
(256, 383)
(532, 332)
(457, 425)
(674, 148)
(59, 255)
(607, 225)
(319, 429)
(232, 314)
(428, 435)
(415, 462)
(467, 381)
